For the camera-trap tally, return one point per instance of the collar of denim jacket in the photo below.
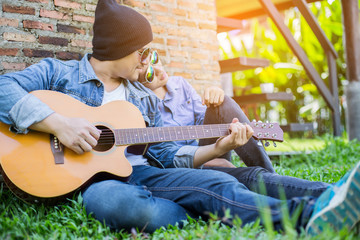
(86, 71)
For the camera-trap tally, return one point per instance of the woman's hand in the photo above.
(213, 96)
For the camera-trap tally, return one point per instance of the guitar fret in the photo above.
(176, 133)
(172, 133)
(146, 135)
(158, 130)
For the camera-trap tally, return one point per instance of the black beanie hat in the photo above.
(118, 31)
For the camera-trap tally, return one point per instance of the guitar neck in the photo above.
(163, 134)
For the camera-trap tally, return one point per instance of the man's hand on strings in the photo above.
(240, 133)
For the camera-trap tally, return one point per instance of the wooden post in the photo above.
(352, 50)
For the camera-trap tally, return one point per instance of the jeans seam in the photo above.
(284, 185)
(219, 197)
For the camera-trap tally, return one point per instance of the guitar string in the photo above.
(107, 137)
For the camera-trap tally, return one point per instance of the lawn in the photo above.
(329, 163)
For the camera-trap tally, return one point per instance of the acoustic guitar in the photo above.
(37, 166)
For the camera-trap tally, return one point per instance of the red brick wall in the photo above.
(184, 34)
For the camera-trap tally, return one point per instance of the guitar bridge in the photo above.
(57, 149)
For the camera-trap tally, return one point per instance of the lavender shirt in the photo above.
(181, 106)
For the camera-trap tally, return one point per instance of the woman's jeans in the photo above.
(252, 154)
(155, 197)
(273, 185)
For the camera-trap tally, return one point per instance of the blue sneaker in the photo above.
(338, 206)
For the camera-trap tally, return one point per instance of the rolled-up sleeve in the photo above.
(184, 157)
(27, 111)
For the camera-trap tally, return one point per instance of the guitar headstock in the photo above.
(267, 131)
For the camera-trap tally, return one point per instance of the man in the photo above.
(152, 197)
(180, 105)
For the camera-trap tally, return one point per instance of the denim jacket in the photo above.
(19, 109)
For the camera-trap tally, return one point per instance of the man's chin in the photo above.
(134, 77)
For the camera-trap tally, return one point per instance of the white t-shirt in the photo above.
(120, 93)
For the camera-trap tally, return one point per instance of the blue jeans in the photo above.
(155, 197)
(254, 177)
(251, 153)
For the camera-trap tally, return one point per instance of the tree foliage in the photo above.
(285, 70)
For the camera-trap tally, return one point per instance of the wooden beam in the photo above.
(263, 97)
(261, 11)
(299, 52)
(228, 24)
(315, 27)
(352, 38)
(241, 64)
(352, 50)
(333, 82)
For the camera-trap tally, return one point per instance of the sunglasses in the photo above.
(154, 59)
(144, 55)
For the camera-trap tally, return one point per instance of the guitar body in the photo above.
(28, 161)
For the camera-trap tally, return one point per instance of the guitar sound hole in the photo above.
(106, 140)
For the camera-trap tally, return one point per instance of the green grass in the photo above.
(19, 220)
(290, 145)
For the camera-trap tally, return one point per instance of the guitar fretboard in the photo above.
(163, 134)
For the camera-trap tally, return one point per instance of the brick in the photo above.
(81, 43)
(129, 3)
(178, 53)
(161, 52)
(158, 40)
(194, 66)
(203, 76)
(187, 4)
(206, 6)
(53, 14)
(188, 43)
(211, 47)
(13, 66)
(184, 75)
(185, 23)
(158, 8)
(82, 18)
(179, 12)
(212, 67)
(8, 51)
(133, 3)
(208, 26)
(67, 4)
(9, 22)
(173, 64)
(39, 1)
(172, 42)
(178, 32)
(68, 55)
(37, 53)
(158, 29)
(18, 9)
(53, 40)
(69, 29)
(166, 19)
(19, 37)
(38, 25)
(199, 56)
(202, 16)
(90, 7)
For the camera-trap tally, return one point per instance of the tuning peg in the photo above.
(267, 144)
(274, 144)
(259, 143)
